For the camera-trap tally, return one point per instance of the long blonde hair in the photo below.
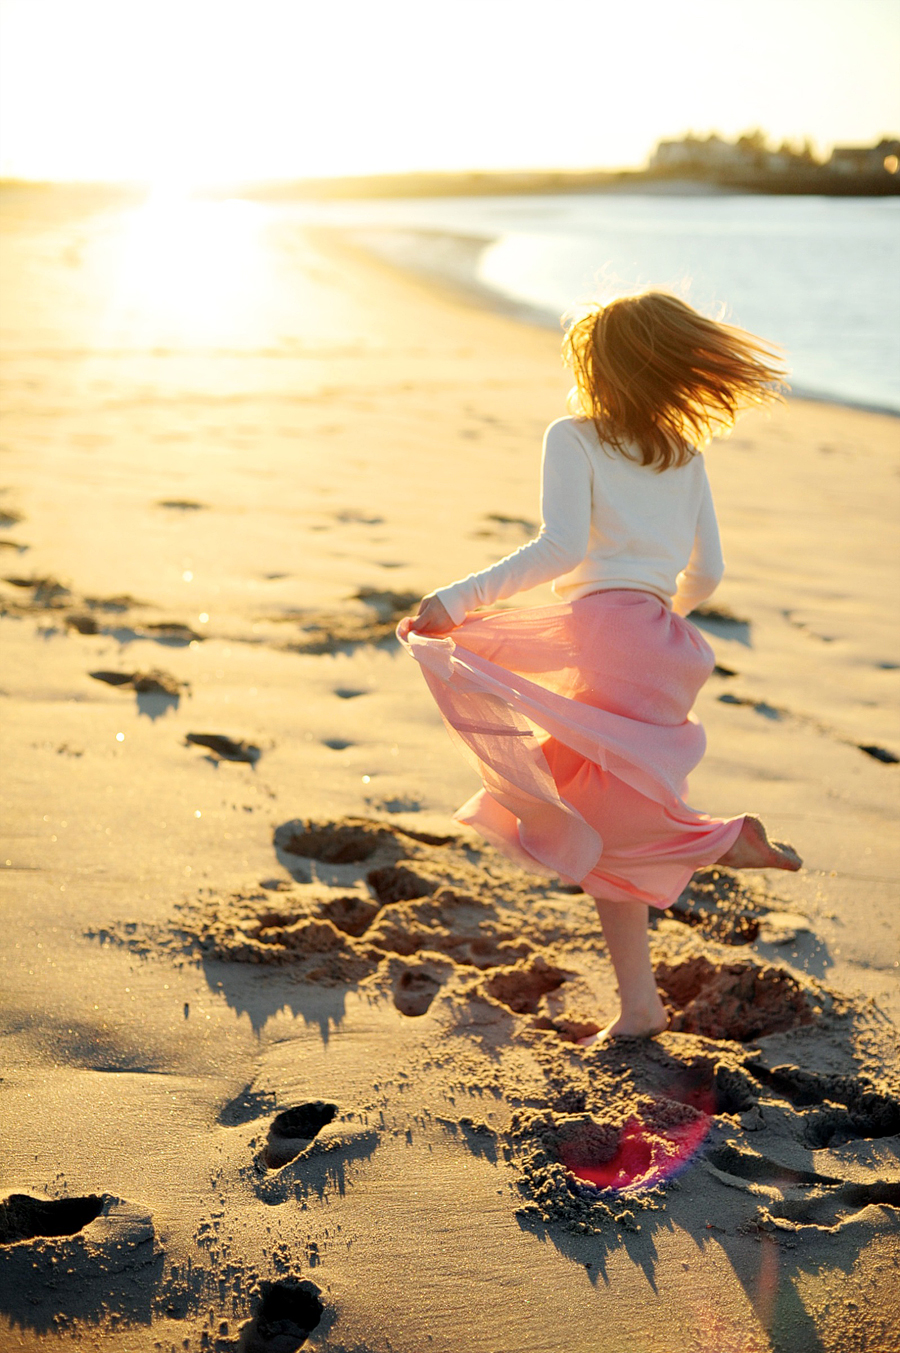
(658, 379)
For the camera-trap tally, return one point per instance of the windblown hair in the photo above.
(659, 380)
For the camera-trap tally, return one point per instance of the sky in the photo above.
(225, 91)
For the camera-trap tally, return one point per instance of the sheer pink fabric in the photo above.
(577, 718)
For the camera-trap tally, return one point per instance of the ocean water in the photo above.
(819, 276)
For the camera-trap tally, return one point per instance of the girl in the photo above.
(577, 716)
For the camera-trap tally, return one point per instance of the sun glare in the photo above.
(189, 273)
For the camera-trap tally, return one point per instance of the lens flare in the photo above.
(645, 1153)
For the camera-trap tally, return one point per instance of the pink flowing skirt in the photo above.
(578, 719)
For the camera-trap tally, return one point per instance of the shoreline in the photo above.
(818, 182)
(458, 279)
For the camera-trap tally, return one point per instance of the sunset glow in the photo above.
(187, 272)
(230, 91)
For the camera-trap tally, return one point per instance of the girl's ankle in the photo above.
(640, 1018)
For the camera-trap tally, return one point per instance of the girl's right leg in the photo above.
(625, 931)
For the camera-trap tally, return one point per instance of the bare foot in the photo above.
(639, 1024)
(754, 850)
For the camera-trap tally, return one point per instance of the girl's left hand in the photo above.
(432, 617)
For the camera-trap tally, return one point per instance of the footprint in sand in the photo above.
(154, 682)
(68, 1260)
(719, 620)
(331, 633)
(743, 1163)
(879, 753)
(774, 712)
(350, 841)
(521, 987)
(351, 517)
(812, 1111)
(47, 593)
(807, 1197)
(25, 1218)
(353, 915)
(414, 990)
(225, 748)
(157, 692)
(828, 1206)
(83, 624)
(288, 1313)
(841, 1109)
(522, 524)
(402, 803)
(741, 1001)
(401, 883)
(86, 622)
(760, 706)
(171, 632)
(802, 625)
(292, 1131)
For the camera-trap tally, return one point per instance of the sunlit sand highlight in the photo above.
(189, 273)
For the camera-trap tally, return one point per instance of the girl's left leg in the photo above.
(625, 931)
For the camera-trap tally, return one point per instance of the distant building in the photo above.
(671, 155)
(750, 161)
(885, 157)
(694, 152)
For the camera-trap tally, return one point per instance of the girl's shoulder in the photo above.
(572, 430)
(572, 424)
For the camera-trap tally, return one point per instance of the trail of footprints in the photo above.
(722, 621)
(373, 622)
(321, 633)
(85, 1256)
(387, 908)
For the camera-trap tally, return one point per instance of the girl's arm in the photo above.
(561, 543)
(706, 566)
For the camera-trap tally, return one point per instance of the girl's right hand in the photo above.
(432, 617)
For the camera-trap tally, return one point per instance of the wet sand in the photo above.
(287, 1053)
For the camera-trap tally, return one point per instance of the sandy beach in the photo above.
(290, 1059)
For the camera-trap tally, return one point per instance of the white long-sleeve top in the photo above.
(607, 523)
